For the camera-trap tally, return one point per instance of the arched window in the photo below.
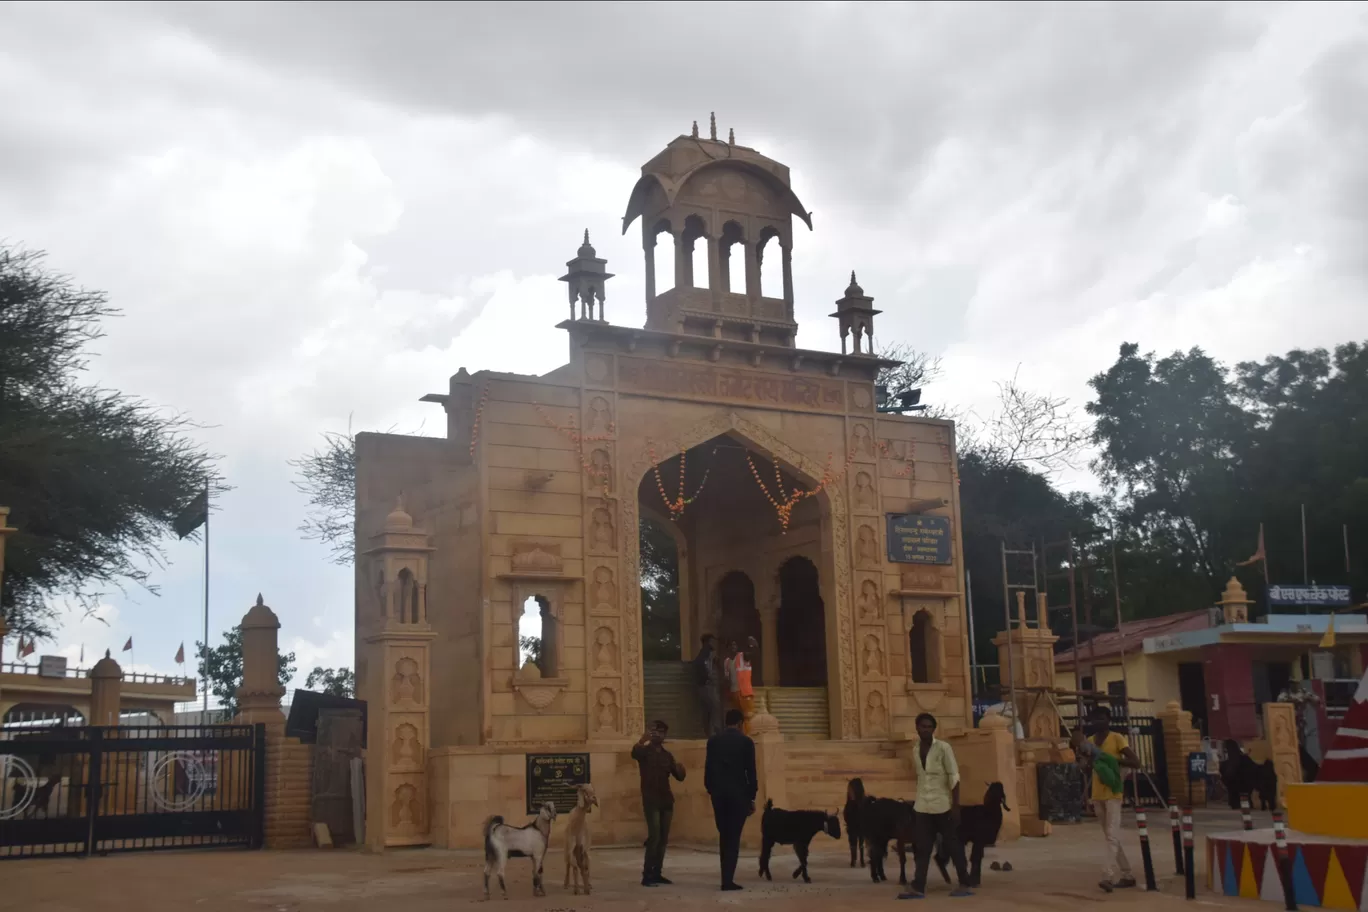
(538, 636)
(924, 640)
(406, 601)
(771, 257)
(663, 256)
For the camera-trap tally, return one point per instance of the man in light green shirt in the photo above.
(937, 807)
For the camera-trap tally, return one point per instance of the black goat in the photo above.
(884, 819)
(1242, 776)
(795, 828)
(855, 795)
(979, 825)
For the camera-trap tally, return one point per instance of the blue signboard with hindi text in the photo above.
(914, 538)
(1312, 595)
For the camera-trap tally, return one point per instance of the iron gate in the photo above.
(83, 790)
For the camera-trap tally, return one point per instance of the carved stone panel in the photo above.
(1280, 719)
(406, 682)
(603, 593)
(407, 751)
(866, 546)
(873, 660)
(407, 807)
(607, 714)
(863, 496)
(536, 557)
(862, 441)
(868, 599)
(598, 417)
(605, 653)
(602, 527)
(874, 712)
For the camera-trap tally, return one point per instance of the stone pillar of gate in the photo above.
(1180, 739)
(397, 690)
(287, 791)
(4, 531)
(106, 681)
(1030, 656)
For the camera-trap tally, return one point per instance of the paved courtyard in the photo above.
(1055, 873)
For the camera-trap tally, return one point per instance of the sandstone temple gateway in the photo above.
(768, 468)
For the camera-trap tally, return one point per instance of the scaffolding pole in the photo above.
(1007, 588)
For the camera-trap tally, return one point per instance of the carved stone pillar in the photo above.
(716, 284)
(259, 696)
(1031, 662)
(398, 722)
(788, 281)
(752, 270)
(1280, 720)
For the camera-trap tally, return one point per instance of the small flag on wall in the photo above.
(26, 648)
(1328, 641)
(129, 645)
(180, 655)
(1259, 553)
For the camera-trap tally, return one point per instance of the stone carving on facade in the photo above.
(866, 546)
(862, 442)
(1281, 722)
(596, 368)
(864, 491)
(601, 468)
(536, 557)
(876, 714)
(606, 712)
(873, 657)
(407, 682)
(600, 416)
(406, 813)
(870, 604)
(605, 650)
(702, 432)
(406, 749)
(603, 592)
(602, 535)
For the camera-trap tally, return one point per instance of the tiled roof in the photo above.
(1132, 636)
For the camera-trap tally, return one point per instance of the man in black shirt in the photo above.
(729, 777)
(657, 765)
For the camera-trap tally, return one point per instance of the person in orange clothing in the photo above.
(742, 686)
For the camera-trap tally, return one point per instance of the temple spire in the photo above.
(712, 126)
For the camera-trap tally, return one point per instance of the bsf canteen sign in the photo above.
(915, 538)
(1197, 765)
(1329, 596)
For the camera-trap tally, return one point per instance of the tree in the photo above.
(659, 594)
(339, 683)
(95, 478)
(327, 476)
(221, 666)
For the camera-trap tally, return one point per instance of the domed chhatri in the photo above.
(399, 519)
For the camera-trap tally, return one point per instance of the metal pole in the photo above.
(1007, 612)
(1346, 551)
(1121, 636)
(969, 617)
(1306, 568)
(204, 718)
(1073, 615)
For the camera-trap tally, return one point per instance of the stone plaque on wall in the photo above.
(553, 777)
(919, 539)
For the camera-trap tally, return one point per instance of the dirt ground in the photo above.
(1058, 872)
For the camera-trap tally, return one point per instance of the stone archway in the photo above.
(834, 582)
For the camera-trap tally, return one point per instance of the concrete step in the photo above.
(802, 712)
(668, 693)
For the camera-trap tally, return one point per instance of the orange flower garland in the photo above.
(909, 462)
(676, 507)
(599, 478)
(479, 414)
(785, 509)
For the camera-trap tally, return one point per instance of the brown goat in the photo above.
(577, 839)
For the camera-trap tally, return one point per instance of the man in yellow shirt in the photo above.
(1107, 800)
(937, 807)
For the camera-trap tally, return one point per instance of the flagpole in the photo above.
(204, 718)
(1346, 550)
(1306, 572)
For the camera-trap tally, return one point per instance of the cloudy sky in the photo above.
(314, 213)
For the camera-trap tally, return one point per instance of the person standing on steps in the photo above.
(729, 778)
(1108, 790)
(705, 678)
(741, 674)
(657, 766)
(937, 807)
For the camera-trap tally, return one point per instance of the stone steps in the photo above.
(668, 693)
(802, 711)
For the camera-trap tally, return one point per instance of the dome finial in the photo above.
(712, 125)
(586, 236)
(731, 137)
(694, 134)
(260, 601)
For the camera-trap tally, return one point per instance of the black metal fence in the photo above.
(70, 789)
(1149, 787)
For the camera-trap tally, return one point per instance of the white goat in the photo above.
(529, 841)
(577, 839)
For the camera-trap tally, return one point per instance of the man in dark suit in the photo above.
(729, 777)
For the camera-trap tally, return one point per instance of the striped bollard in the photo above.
(1284, 860)
(1143, 827)
(1187, 854)
(1245, 813)
(1177, 838)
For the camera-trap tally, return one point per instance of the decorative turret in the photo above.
(855, 313)
(586, 278)
(1234, 604)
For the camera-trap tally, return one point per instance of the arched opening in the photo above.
(695, 241)
(663, 257)
(924, 643)
(801, 626)
(770, 255)
(732, 255)
(739, 620)
(660, 631)
(40, 716)
(537, 636)
(406, 601)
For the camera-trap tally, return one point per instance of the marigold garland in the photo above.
(677, 506)
(909, 461)
(784, 510)
(598, 478)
